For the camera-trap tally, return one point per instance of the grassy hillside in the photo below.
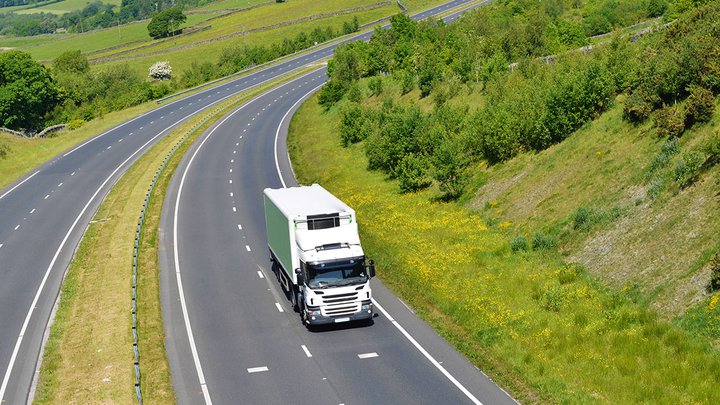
(560, 219)
(62, 7)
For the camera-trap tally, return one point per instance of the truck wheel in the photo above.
(294, 299)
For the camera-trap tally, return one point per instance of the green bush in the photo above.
(542, 241)
(75, 124)
(669, 148)
(712, 149)
(355, 124)
(412, 173)
(331, 93)
(584, 218)
(700, 106)
(552, 299)
(450, 162)
(670, 121)
(688, 168)
(639, 105)
(519, 244)
(375, 84)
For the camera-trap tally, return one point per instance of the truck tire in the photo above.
(294, 299)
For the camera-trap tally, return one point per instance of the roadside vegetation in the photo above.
(559, 214)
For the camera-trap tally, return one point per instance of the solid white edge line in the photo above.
(260, 274)
(307, 352)
(13, 357)
(277, 133)
(19, 184)
(427, 355)
(183, 303)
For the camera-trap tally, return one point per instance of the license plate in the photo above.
(338, 320)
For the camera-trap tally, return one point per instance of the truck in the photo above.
(316, 255)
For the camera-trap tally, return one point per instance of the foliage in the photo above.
(542, 241)
(412, 173)
(160, 71)
(670, 121)
(688, 168)
(71, 62)
(519, 244)
(375, 84)
(354, 124)
(669, 148)
(699, 107)
(27, 91)
(166, 22)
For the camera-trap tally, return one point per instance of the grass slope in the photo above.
(545, 330)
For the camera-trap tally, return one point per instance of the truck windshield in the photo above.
(336, 274)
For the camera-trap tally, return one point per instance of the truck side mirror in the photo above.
(300, 277)
(371, 268)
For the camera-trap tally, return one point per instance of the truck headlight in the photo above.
(367, 306)
(312, 311)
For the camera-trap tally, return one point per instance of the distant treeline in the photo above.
(93, 16)
(33, 97)
(528, 108)
(11, 3)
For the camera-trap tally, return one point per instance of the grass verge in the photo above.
(89, 357)
(544, 330)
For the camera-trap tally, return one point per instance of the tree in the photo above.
(161, 71)
(27, 91)
(71, 62)
(166, 22)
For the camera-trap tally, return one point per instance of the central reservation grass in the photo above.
(543, 329)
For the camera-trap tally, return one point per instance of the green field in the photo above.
(62, 7)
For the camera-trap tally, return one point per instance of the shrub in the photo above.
(669, 148)
(354, 93)
(583, 218)
(542, 241)
(552, 299)
(407, 80)
(75, 124)
(331, 93)
(412, 172)
(519, 244)
(656, 186)
(567, 274)
(450, 161)
(161, 71)
(688, 168)
(714, 284)
(670, 121)
(699, 107)
(354, 125)
(712, 149)
(375, 84)
(638, 106)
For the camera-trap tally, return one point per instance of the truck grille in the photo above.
(340, 304)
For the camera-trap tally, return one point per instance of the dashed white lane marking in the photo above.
(109, 147)
(257, 369)
(253, 119)
(244, 130)
(230, 181)
(130, 133)
(119, 140)
(307, 352)
(367, 355)
(232, 160)
(33, 210)
(60, 185)
(1, 245)
(152, 122)
(234, 209)
(234, 152)
(46, 197)
(237, 144)
(231, 194)
(142, 127)
(230, 170)
(240, 227)
(17, 227)
(240, 136)
(247, 248)
(72, 174)
(248, 124)
(280, 309)
(260, 274)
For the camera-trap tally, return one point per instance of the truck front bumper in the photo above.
(363, 315)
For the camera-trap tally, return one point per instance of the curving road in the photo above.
(232, 336)
(45, 213)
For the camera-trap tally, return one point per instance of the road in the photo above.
(232, 335)
(45, 213)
